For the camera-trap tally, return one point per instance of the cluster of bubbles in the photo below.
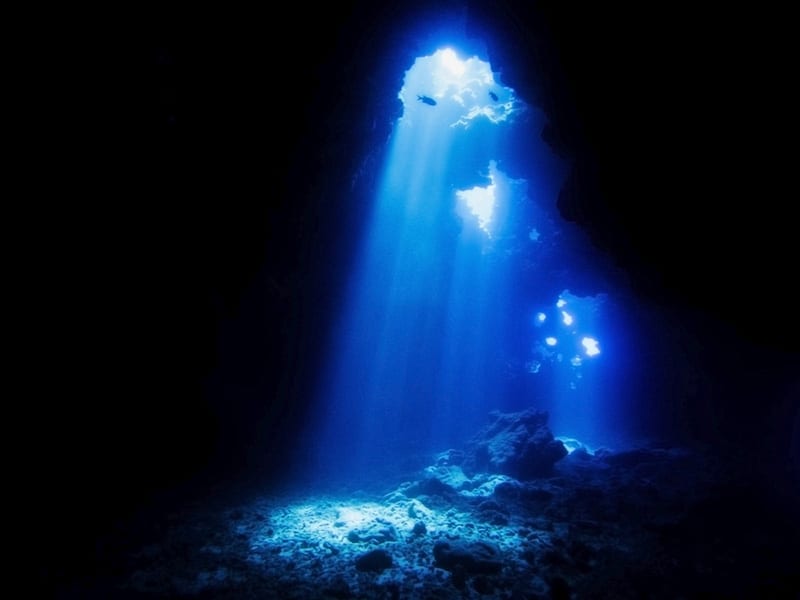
(563, 336)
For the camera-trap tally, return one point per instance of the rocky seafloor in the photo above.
(646, 522)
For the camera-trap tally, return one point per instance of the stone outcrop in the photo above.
(516, 444)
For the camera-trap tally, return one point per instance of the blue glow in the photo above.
(591, 345)
(432, 331)
(480, 201)
(534, 366)
(450, 61)
(460, 87)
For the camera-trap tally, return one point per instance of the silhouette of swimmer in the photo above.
(493, 96)
(426, 100)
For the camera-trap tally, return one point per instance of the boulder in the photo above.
(516, 444)
(375, 560)
(473, 558)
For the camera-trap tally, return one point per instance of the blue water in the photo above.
(469, 292)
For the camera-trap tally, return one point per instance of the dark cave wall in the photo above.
(663, 116)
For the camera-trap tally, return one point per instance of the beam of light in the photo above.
(425, 300)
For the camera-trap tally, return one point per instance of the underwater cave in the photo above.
(440, 303)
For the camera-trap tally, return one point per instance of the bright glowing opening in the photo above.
(591, 346)
(576, 361)
(541, 318)
(480, 201)
(459, 91)
(550, 341)
(561, 303)
(449, 60)
(566, 318)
